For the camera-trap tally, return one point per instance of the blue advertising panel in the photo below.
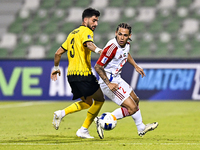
(30, 80)
(166, 81)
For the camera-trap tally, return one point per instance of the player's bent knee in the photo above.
(98, 96)
(89, 101)
(132, 110)
(138, 99)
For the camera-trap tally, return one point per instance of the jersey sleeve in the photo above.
(87, 36)
(107, 55)
(64, 45)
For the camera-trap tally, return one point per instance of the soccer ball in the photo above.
(107, 121)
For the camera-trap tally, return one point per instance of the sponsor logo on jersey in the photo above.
(104, 60)
(89, 37)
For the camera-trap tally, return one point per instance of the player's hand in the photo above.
(140, 71)
(54, 74)
(100, 52)
(113, 86)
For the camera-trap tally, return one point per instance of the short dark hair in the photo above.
(89, 12)
(125, 26)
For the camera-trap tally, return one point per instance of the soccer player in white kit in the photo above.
(109, 66)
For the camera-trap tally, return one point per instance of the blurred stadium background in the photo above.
(34, 29)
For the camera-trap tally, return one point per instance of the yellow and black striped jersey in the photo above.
(79, 56)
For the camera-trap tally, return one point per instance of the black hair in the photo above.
(89, 12)
(125, 26)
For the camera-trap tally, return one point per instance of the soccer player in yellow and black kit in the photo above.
(84, 85)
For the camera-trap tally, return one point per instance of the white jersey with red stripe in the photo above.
(114, 57)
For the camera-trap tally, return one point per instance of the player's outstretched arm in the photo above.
(93, 47)
(137, 68)
(57, 58)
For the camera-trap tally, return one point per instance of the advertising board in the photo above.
(30, 80)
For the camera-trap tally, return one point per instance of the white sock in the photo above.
(120, 113)
(63, 113)
(83, 129)
(137, 117)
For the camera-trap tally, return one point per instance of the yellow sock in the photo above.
(92, 113)
(77, 106)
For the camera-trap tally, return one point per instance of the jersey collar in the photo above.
(86, 27)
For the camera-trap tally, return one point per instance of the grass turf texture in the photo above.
(27, 125)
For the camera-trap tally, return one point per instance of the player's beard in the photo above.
(89, 26)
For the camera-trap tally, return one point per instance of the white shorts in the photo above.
(121, 94)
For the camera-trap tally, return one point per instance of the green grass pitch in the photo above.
(27, 125)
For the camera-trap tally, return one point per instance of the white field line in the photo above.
(46, 144)
(24, 104)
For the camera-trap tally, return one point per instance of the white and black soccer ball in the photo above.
(107, 121)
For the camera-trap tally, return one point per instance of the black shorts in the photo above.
(84, 88)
